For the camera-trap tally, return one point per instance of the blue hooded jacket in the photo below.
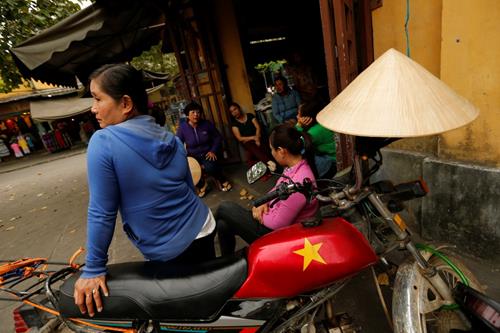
(141, 169)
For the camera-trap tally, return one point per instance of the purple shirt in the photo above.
(201, 139)
(295, 208)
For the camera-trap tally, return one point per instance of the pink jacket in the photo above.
(294, 209)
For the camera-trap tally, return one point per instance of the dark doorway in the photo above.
(276, 30)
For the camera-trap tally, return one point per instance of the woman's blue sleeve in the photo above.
(276, 111)
(103, 204)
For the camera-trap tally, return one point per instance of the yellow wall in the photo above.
(470, 64)
(232, 54)
(458, 41)
(424, 30)
(425, 45)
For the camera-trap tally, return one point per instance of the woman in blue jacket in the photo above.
(285, 102)
(139, 168)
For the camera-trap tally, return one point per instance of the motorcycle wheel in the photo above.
(417, 307)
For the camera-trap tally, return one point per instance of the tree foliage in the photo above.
(156, 61)
(21, 19)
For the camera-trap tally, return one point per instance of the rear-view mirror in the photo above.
(257, 170)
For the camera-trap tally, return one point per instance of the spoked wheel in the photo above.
(417, 306)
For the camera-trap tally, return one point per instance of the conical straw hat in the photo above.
(396, 97)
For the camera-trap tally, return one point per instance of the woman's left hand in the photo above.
(87, 292)
(211, 156)
(304, 121)
(258, 212)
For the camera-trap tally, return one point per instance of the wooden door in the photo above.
(341, 41)
(191, 37)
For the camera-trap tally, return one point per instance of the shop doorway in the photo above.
(275, 31)
(193, 41)
(333, 37)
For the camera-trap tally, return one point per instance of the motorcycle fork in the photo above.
(403, 236)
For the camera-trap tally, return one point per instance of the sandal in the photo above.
(202, 191)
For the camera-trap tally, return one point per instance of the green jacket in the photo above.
(323, 140)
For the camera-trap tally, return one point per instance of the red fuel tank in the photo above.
(297, 259)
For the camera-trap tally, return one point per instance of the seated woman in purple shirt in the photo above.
(293, 151)
(203, 142)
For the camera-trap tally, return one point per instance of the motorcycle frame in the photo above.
(395, 224)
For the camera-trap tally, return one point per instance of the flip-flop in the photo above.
(202, 191)
(226, 186)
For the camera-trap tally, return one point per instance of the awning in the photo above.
(57, 108)
(52, 109)
(105, 32)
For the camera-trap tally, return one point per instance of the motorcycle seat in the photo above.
(163, 291)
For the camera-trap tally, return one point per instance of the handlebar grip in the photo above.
(266, 198)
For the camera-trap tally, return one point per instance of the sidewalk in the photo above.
(40, 157)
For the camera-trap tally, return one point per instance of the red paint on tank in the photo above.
(297, 259)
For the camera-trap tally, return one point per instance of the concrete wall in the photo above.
(462, 206)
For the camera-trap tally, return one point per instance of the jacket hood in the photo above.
(148, 139)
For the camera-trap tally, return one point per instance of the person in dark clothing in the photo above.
(246, 130)
(204, 143)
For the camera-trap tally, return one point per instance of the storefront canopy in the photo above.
(52, 109)
(57, 108)
(105, 32)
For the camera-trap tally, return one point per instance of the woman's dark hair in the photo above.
(236, 105)
(297, 143)
(282, 79)
(311, 109)
(158, 114)
(192, 107)
(118, 80)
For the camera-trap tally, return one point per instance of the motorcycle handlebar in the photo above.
(283, 191)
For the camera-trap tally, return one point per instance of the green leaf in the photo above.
(21, 19)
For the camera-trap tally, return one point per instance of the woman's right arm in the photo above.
(103, 204)
(237, 135)
(103, 207)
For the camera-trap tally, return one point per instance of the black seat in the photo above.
(162, 291)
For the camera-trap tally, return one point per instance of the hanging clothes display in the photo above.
(59, 138)
(4, 151)
(56, 140)
(17, 151)
(27, 120)
(22, 125)
(29, 140)
(23, 144)
(49, 142)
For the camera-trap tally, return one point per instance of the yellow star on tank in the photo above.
(310, 253)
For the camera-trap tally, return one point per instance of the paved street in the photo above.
(43, 213)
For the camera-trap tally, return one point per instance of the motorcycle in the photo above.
(286, 280)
